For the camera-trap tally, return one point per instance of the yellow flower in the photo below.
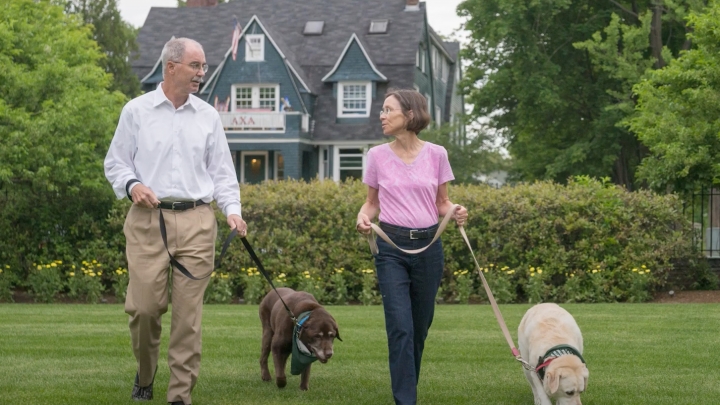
(485, 270)
(455, 273)
(73, 267)
(539, 270)
(635, 269)
(72, 274)
(492, 265)
(225, 276)
(7, 266)
(594, 271)
(307, 276)
(39, 267)
(0, 271)
(212, 275)
(643, 266)
(532, 268)
(99, 273)
(532, 274)
(572, 274)
(92, 274)
(511, 272)
(94, 261)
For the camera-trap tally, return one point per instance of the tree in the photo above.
(116, 39)
(469, 160)
(57, 118)
(678, 112)
(555, 78)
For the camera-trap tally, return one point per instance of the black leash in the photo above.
(226, 244)
(183, 270)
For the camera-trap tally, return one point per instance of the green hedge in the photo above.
(587, 241)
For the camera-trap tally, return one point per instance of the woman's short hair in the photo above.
(411, 100)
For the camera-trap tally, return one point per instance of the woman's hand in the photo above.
(363, 224)
(461, 215)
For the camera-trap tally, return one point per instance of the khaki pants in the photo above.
(191, 240)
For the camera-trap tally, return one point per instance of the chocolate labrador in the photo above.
(317, 333)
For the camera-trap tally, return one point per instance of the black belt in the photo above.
(180, 205)
(425, 233)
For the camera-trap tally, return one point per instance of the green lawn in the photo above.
(637, 354)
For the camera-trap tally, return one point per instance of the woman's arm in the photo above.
(368, 211)
(444, 205)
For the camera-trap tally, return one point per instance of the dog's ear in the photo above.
(552, 381)
(337, 334)
(585, 374)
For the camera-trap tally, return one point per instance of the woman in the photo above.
(407, 184)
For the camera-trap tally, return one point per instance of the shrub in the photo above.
(45, 281)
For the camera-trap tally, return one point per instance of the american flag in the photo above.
(235, 38)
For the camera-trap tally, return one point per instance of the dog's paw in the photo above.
(304, 387)
(281, 382)
(265, 376)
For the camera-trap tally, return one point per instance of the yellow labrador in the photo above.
(550, 340)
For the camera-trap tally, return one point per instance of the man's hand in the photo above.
(143, 196)
(238, 223)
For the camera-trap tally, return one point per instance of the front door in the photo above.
(255, 168)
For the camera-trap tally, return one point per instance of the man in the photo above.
(170, 152)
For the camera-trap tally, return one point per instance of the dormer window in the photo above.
(254, 48)
(354, 99)
(378, 27)
(314, 27)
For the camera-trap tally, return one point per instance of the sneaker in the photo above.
(142, 393)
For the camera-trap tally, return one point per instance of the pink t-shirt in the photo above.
(408, 193)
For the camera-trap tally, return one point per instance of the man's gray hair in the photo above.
(174, 50)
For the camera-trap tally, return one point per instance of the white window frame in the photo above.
(423, 59)
(323, 162)
(242, 163)
(368, 99)
(438, 116)
(336, 159)
(255, 95)
(276, 164)
(261, 52)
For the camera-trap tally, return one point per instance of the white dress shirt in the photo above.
(181, 154)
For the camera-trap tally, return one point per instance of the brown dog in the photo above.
(317, 334)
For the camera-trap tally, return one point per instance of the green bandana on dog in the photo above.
(302, 357)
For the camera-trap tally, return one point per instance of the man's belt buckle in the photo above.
(412, 234)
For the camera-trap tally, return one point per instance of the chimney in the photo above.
(411, 5)
(201, 3)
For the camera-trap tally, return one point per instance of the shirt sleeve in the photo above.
(445, 172)
(370, 177)
(222, 171)
(119, 166)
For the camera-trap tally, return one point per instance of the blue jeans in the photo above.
(408, 284)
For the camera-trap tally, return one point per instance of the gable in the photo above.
(354, 64)
(273, 70)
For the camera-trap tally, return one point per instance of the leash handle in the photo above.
(267, 277)
(376, 229)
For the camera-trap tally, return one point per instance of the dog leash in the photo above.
(183, 270)
(441, 228)
(226, 244)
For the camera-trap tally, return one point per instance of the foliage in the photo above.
(339, 292)
(253, 285)
(45, 281)
(57, 117)
(369, 294)
(86, 283)
(219, 289)
(463, 286)
(678, 109)
(554, 79)
(7, 282)
(116, 39)
(120, 280)
(469, 158)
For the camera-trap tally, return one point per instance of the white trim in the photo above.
(321, 168)
(336, 158)
(342, 55)
(277, 155)
(147, 76)
(340, 99)
(259, 58)
(441, 46)
(343, 144)
(242, 163)
(255, 94)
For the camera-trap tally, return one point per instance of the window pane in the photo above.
(243, 98)
(354, 99)
(353, 162)
(350, 174)
(280, 167)
(267, 98)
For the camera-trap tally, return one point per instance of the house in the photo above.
(302, 96)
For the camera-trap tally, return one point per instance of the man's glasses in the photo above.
(196, 66)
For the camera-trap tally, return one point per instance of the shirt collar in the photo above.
(161, 98)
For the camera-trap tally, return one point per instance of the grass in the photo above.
(637, 354)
